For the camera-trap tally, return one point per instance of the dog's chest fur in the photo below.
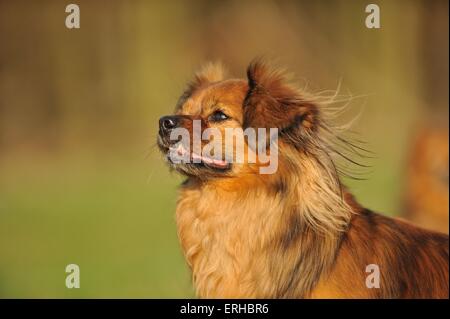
(248, 245)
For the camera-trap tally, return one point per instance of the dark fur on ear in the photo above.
(209, 73)
(272, 102)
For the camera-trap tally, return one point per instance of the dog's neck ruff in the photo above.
(251, 238)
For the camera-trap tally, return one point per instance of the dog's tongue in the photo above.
(210, 161)
(207, 160)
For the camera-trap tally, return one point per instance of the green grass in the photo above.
(115, 222)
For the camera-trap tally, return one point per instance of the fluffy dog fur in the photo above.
(297, 233)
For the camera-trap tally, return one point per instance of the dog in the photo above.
(294, 233)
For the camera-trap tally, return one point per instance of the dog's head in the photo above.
(195, 141)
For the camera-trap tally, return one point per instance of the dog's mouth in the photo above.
(179, 155)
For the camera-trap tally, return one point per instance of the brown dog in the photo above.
(296, 233)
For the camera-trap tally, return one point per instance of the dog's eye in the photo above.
(218, 116)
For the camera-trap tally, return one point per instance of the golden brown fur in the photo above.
(297, 233)
(427, 189)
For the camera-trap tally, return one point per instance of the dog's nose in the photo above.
(167, 123)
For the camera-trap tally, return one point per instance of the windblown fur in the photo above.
(297, 233)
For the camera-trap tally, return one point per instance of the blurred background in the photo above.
(81, 180)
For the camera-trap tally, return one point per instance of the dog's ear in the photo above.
(272, 102)
(209, 73)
